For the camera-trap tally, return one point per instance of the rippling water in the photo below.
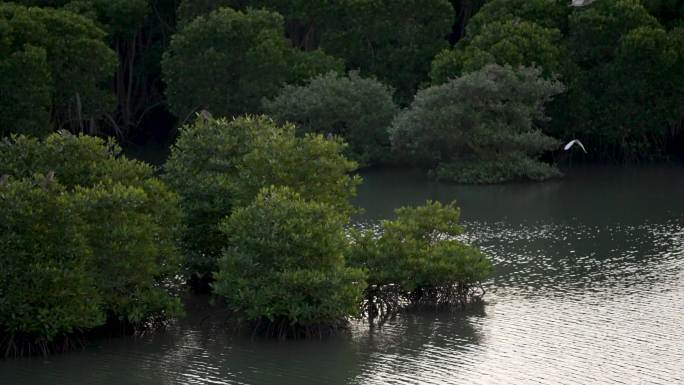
(589, 288)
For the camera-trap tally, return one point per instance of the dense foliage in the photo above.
(125, 224)
(393, 40)
(45, 289)
(218, 165)
(227, 55)
(620, 59)
(45, 76)
(359, 110)
(416, 259)
(25, 92)
(626, 102)
(511, 42)
(544, 13)
(284, 267)
(514, 32)
(481, 127)
(227, 61)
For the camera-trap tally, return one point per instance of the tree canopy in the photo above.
(45, 47)
(509, 42)
(100, 246)
(481, 127)
(284, 265)
(360, 110)
(219, 165)
(227, 61)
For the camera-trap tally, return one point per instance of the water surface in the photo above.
(589, 288)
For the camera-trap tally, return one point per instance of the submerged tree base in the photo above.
(283, 330)
(18, 345)
(21, 345)
(385, 302)
(448, 296)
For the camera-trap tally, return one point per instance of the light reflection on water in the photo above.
(589, 288)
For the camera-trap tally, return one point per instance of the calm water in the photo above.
(589, 288)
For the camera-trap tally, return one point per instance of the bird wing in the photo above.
(581, 146)
(570, 143)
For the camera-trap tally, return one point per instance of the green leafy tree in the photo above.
(218, 165)
(189, 10)
(138, 31)
(631, 106)
(551, 14)
(25, 92)
(393, 40)
(596, 30)
(510, 42)
(134, 245)
(416, 259)
(284, 267)
(359, 110)
(77, 80)
(46, 292)
(670, 13)
(305, 20)
(625, 103)
(481, 127)
(133, 220)
(227, 61)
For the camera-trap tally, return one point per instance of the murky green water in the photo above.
(589, 288)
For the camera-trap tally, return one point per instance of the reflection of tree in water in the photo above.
(210, 352)
(418, 345)
(207, 349)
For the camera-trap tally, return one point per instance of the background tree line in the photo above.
(138, 69)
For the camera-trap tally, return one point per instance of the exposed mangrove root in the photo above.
(19, 345)
(382, 303)
(14, 345)
(283, 329)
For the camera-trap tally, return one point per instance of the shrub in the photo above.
(132, 232)
(416, 259)
(46, 292)
(357, 109)
(482, 119)
(133, 220)
(227, 61)
(218, 165)
(284, 266)
(495, 171)
(77, 160)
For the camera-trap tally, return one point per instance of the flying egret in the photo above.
(572, 143)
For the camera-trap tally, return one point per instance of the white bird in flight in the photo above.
(572, 143)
